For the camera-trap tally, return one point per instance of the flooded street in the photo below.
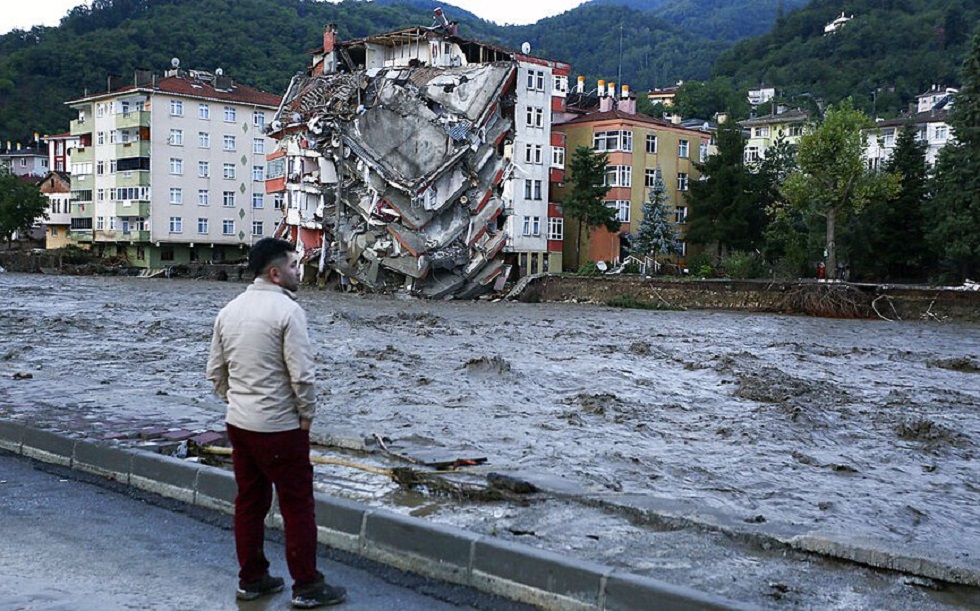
(851, 429)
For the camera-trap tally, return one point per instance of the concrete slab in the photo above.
(47, 446)
(105, 461)
(164, 475)
(416, 545)
(11, 436)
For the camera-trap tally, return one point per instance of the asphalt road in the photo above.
(71, 542)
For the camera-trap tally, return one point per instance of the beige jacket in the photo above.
(261, 361)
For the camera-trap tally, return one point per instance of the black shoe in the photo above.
(318, 594)
(257, 589)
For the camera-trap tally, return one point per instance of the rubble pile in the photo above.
(395, 177)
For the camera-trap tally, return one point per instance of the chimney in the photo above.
(581, 85)
(626, 104)
(329, 37)
(611, 90)
(601, 89)
(675, 119)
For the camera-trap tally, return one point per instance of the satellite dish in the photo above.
(175, 62)
(219, 72)
(526, 48)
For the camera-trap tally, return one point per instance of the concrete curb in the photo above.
(512, 570)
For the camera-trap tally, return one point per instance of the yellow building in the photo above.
(637, 146)
(764, 131)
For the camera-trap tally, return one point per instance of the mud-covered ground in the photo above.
(862, 431)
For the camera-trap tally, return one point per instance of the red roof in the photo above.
(187, 86)
(615, 114)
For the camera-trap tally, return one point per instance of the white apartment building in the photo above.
(930, 121)
(171, 170)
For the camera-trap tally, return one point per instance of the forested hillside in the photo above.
(891, 51)
(718, 19)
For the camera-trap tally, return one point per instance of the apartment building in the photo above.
(638, 147)
(764, 131)
(930, 122)
(170, 170)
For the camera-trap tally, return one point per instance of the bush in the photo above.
(588, 269)
(741, 265)
(698, 263)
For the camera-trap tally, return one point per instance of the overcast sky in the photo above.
(27, 13)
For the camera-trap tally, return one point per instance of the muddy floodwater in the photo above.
(850, 431)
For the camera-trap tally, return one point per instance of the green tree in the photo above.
(955, 208)
(833, 180)
(584, 200)
(657, 234)
(703, 100)
(725, 209)
(21, 204)
(894, 229)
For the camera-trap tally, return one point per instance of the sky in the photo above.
(25, 14)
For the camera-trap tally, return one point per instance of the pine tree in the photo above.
(657, 234)
(955, 208)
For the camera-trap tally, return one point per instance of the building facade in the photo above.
(56, 186)
(171, 170)
(930, 122)
(24, 161)
(638, 147)
(764, 131)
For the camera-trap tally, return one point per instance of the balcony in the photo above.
(138, 148)
(133, 208)
(80, 235)
(83, 154)
(136, 236)
(81, 127)
(133, 118)
(133, 178)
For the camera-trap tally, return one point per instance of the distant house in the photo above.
(930, 121)
(764, 131)
(56, 186)
(761, 95)
(22, 161)
(665, 95)
(836, 24)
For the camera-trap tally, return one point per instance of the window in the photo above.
(258, 145)
(535, 80)
(537, 191)
(703, 153)
(228, 199)
(176, 166)
(100, 167)
(535, 116)
(258, 118)
(760, 132)
(228, 143)
(680, 215)
(228, 171)
(176, 108)
(113, 137)
(559, 83)
(795, 130)
(889, 139)
(203, 169)
(228, 227)
(278, 201)
(258, 173)
(527, 188)
(112, 223)
(527, 226)
(618, 176)
(532, 189)
(100, 137)
(99, 110)
(176, 137)
(258, 200)
(203, 197)
(681, 181)
(100, 222)
(651, 143)
(556, 228)
(166, 253)
(649, 178)
(202, 225)
(204, 112)
(680, 247)
(176, 195)
(533, 153)
(204, 140)
(615, 140)
(683, 149)
(752, 154)
(256, 227)
(176, 224)
(622, 208)
(558, 157)
(941, 132)
(229, 114)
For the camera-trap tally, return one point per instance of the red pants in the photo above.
(264, 460)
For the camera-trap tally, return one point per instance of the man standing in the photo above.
(261, 365)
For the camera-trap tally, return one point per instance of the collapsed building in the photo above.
(395, 160)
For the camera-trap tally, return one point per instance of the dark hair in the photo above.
(266, 251)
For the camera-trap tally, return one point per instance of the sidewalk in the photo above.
(509, 570)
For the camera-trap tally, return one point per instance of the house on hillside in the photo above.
(30, 161)
(930, 122)
(170, 170)
(836, 24)
(764, 131)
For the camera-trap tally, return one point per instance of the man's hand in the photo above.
(304, 424)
